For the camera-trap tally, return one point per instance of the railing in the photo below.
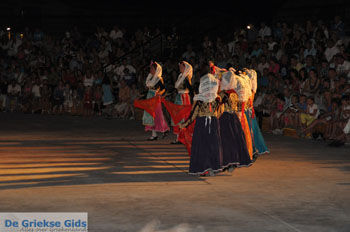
(156, 46)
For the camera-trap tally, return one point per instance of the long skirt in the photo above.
(249, 120)
(205, 151)
(159, 123)
(234, 146)
(180, 99)
(258, 142)
(247, 135)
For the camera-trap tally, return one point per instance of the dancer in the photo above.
(258, 140)
(155, 85)
(234, 147)
(215, 70)
(206, 157)
(183, 86)
(243, 91)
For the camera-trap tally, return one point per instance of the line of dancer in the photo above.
(219, 128)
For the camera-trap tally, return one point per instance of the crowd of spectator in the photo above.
(71, 74)
(303, 71)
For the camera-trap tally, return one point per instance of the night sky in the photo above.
(55, 14)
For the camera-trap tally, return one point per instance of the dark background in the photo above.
(59, 15)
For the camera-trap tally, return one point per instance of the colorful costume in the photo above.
(234, 147)
(243, 91)
(258, 139)
(206, 156)
(155, 86)
(183, 87)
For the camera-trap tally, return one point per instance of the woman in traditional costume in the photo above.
(183, 86)
(258, 140)
(233, 143)
(156, 88)
(206, 156)
(243, 91)
(215, 70)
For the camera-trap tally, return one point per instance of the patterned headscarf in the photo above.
(228, 81)
(188, 72)
(152, 80)
(208, 88)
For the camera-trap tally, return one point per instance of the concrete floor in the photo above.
(104, 167)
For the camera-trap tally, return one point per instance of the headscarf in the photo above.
(152, 80)
(253, 79)
(243, 88)
(208, 88)
(188, 72)
(228, 81)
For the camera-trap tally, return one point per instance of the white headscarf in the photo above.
(152, 80)
(253, 78)
(243, 88)
(208, 89)
(188, 72)
(228, 81)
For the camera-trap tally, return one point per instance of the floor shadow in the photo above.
(34, 163)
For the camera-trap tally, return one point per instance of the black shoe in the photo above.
(165, 134)
(152, 138)
(255, 157)
(175, 142)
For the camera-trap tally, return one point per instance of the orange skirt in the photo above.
(247, 135)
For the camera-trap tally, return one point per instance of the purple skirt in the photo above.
(205, 151)
(234, 146)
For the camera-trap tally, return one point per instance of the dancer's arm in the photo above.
(194, 113)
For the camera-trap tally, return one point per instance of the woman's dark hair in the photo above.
(106, 80)
(295, 72)
(311, 98)
(314, 70)
(274, 59)
(305, 73)
(154, 65)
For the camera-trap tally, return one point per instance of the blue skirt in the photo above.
(147, 119)
(259, 145)
(233, 143)
(205, 150)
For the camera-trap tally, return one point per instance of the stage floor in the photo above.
(106, 168)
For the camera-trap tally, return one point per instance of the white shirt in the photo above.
(266, 31)
(311, 52)
(120, 69)
(271, 45)
(36, 90)
(19, 77)
(88, 81)
(14, 89)
(187, 55)
(115, 34)
(262, 66)
(344, 68)
(330, 52)
(347, 127)
(259, 100)
(311, 110)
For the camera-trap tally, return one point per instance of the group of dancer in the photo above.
(218, 126)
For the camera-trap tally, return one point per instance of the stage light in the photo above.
(8, 29)
(248, 27)
(21, 35)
